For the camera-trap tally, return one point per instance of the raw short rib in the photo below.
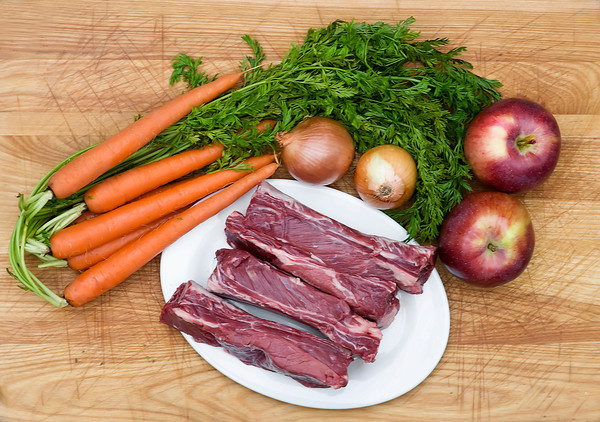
(340, 247)
(368, 297)
(309, 359)
(241, 276)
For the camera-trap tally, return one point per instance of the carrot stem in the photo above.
(107, 274)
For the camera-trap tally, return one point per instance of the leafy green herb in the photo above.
(186, 69)
(379, 80)
(250, 62)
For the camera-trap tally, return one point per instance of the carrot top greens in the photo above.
(381, 83)
(379, 80)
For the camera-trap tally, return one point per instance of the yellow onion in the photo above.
(385, 176)
(318, 150)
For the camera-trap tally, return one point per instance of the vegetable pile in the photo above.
(381, 83)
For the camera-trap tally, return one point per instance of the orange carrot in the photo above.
(264, 125)
(162, 188)
(119, 266)
(143, 181)
(79, 238)
(123, 187)
(93, 256)
(88, 166)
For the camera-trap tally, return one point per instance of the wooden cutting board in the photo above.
(76, 72)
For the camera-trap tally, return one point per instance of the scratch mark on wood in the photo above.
(58, 105)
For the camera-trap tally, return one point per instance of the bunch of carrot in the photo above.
(134, 215)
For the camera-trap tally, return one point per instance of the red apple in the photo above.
(487, 239)
(513, 145)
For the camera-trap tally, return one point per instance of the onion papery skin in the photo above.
(385, 177)
(317, 150)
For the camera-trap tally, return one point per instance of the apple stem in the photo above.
(523, 142)
(492, 247)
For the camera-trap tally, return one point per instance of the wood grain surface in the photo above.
(73, 73)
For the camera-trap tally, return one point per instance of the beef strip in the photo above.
(370, 298)
(241, 276)
(340, 247)
(309, 359)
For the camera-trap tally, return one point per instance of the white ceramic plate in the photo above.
(411, 346)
